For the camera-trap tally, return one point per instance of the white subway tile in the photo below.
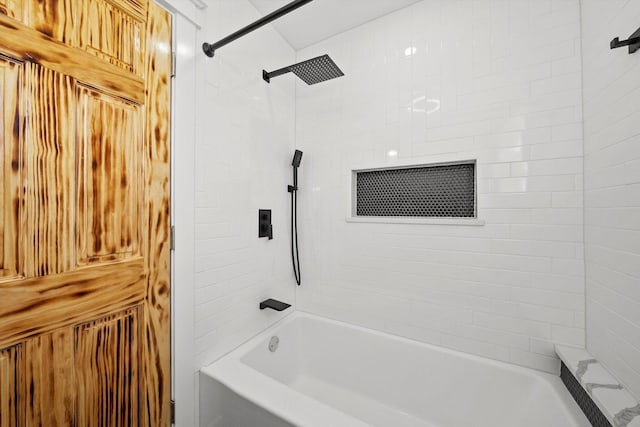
(493, 170)
(560, 233)
(515, 200)
(571, 267)
(567, 66)
(475, 347)
(560, 283)
(547, 314)
(516, 325)
(568, 336)
(543, 347)
(533, 248)
(567, 132)
(556, 150)
(563, 166)
(536, 361)
(557, 216)
(548, 298)
(567, 199)
(557, 83)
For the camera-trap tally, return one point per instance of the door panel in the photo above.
(26, 44)
(49, 178)
(49, 374)
(84, 213)
(11, 8)
(10, 167)
(53, 18)
(110, 396)
(40, 305)
(127, 18)
(9, 386)
(109, 180)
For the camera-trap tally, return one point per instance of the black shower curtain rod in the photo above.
(210, 49)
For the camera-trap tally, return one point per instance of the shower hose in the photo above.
(295, 255)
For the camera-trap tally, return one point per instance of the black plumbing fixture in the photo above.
(633, 42)
(274, 305)
(210, 48)
(265, 229)
(312, 71)
(293, 189)
(297, 159)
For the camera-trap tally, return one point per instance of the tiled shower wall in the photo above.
(612, 187)
(243, 153)
(494, 80)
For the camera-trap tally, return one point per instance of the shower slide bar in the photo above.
(210, 48)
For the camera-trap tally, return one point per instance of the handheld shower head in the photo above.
(297, 158)
(293, 189)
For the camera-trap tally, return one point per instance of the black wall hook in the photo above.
(633, 42)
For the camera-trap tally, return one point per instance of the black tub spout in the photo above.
(274, 305)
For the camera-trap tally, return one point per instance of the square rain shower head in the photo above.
(317, 70)
(312, 71)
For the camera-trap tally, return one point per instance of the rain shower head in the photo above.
(297, 158)
(312, 71)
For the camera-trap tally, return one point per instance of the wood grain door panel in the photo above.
(49, 178)
(110, 181)
(23, 43)
(127, 19)
(112, 30)
(84, 213)
(10, 167)
(48, 378)
(9, 386)
(110, 386)
(40, 305)
(52, 18)
(11, 8)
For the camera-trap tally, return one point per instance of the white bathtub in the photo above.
(331, 374)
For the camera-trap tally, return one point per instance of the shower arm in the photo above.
(210, 48)
(267, 76)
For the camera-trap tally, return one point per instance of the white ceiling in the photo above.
(322, 19)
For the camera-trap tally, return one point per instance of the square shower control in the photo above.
(265, 229)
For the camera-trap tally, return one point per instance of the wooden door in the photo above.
(84, 213)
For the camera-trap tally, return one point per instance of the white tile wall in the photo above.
(244, 147)
(612, 188)
(493, 80)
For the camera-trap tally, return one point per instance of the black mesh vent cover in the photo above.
(317, 70)
(446, 191)
(593, 413)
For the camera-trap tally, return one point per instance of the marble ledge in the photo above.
(616, 403)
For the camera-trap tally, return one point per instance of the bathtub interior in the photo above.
(385, 380)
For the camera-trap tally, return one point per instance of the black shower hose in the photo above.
(295, 255)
